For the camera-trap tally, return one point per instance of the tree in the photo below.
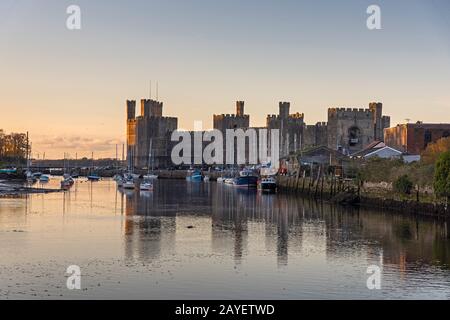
(442, 176)
(403, 185)
(433, 150)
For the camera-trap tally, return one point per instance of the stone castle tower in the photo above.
(240, 120)
(148, 135)
(351, 129)
(290, 126)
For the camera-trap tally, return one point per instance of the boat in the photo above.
(268, 184)
(150, 177)
(206, 179)
(146, 186)
(44, 178)
(93, 177)
(220, 180)
(9, 171)
(67, 183)
(119, 183)
(128, 184)
(194, 176)
(37, 175)
(31, 178)
(246, 179)
(229, 180)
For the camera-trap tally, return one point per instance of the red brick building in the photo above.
(413, 138)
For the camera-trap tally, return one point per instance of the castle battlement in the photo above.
(230, 116)
(349, 112)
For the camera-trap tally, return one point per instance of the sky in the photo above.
(68, 87)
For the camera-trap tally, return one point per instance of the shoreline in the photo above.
(14, 188)
(344, 195)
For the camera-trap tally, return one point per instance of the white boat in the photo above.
(129, 184)
(220, 180)
(146, 186)
(67, 183)
(44, 178)
(151, 177)
(229, 181)
(119, 183)
(206, 179)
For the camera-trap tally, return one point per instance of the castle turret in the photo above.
(131, 109)
(377, 114)
(240, 108)
(284, 109)
(151, 108)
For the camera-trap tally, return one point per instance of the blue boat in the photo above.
(93, 177)
(246, 179)
(194, 176)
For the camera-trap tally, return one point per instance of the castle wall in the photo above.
(351, 129)
(315, 135)
(155, 132)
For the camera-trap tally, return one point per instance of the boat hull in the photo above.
(246, 182)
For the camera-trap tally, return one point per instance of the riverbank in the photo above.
(8, 188)
(346, 192)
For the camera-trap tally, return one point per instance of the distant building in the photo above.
(351, 129)
(291, 128)
(148, 135)
(347, 131)
(413, 138)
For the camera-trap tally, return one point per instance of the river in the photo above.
(211, 241)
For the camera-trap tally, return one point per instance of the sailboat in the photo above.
(150, 176)
(67, 181)
(31, 178)
(93, 176)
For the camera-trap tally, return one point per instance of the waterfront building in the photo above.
(148, 135)
(413, 138)
(347, 131)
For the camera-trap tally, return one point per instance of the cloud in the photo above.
(56, 146)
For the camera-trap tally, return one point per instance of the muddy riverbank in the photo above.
(13, 188)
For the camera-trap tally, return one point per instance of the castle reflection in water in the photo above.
(284, 223)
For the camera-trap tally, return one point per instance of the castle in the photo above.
(348, 130)
(148, 135)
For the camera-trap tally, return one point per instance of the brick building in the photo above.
(413, 138)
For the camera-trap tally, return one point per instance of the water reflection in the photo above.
(186, 240)
(285, 223)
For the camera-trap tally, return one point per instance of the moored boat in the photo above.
(128, 184)
(151, 177)
(194, 176)
(267, 184)
(220, 180)
(246, 179)
(44, 178)
(93, 177)
(146, 186)
(229, 181)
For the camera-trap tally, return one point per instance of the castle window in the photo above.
(354, 136)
